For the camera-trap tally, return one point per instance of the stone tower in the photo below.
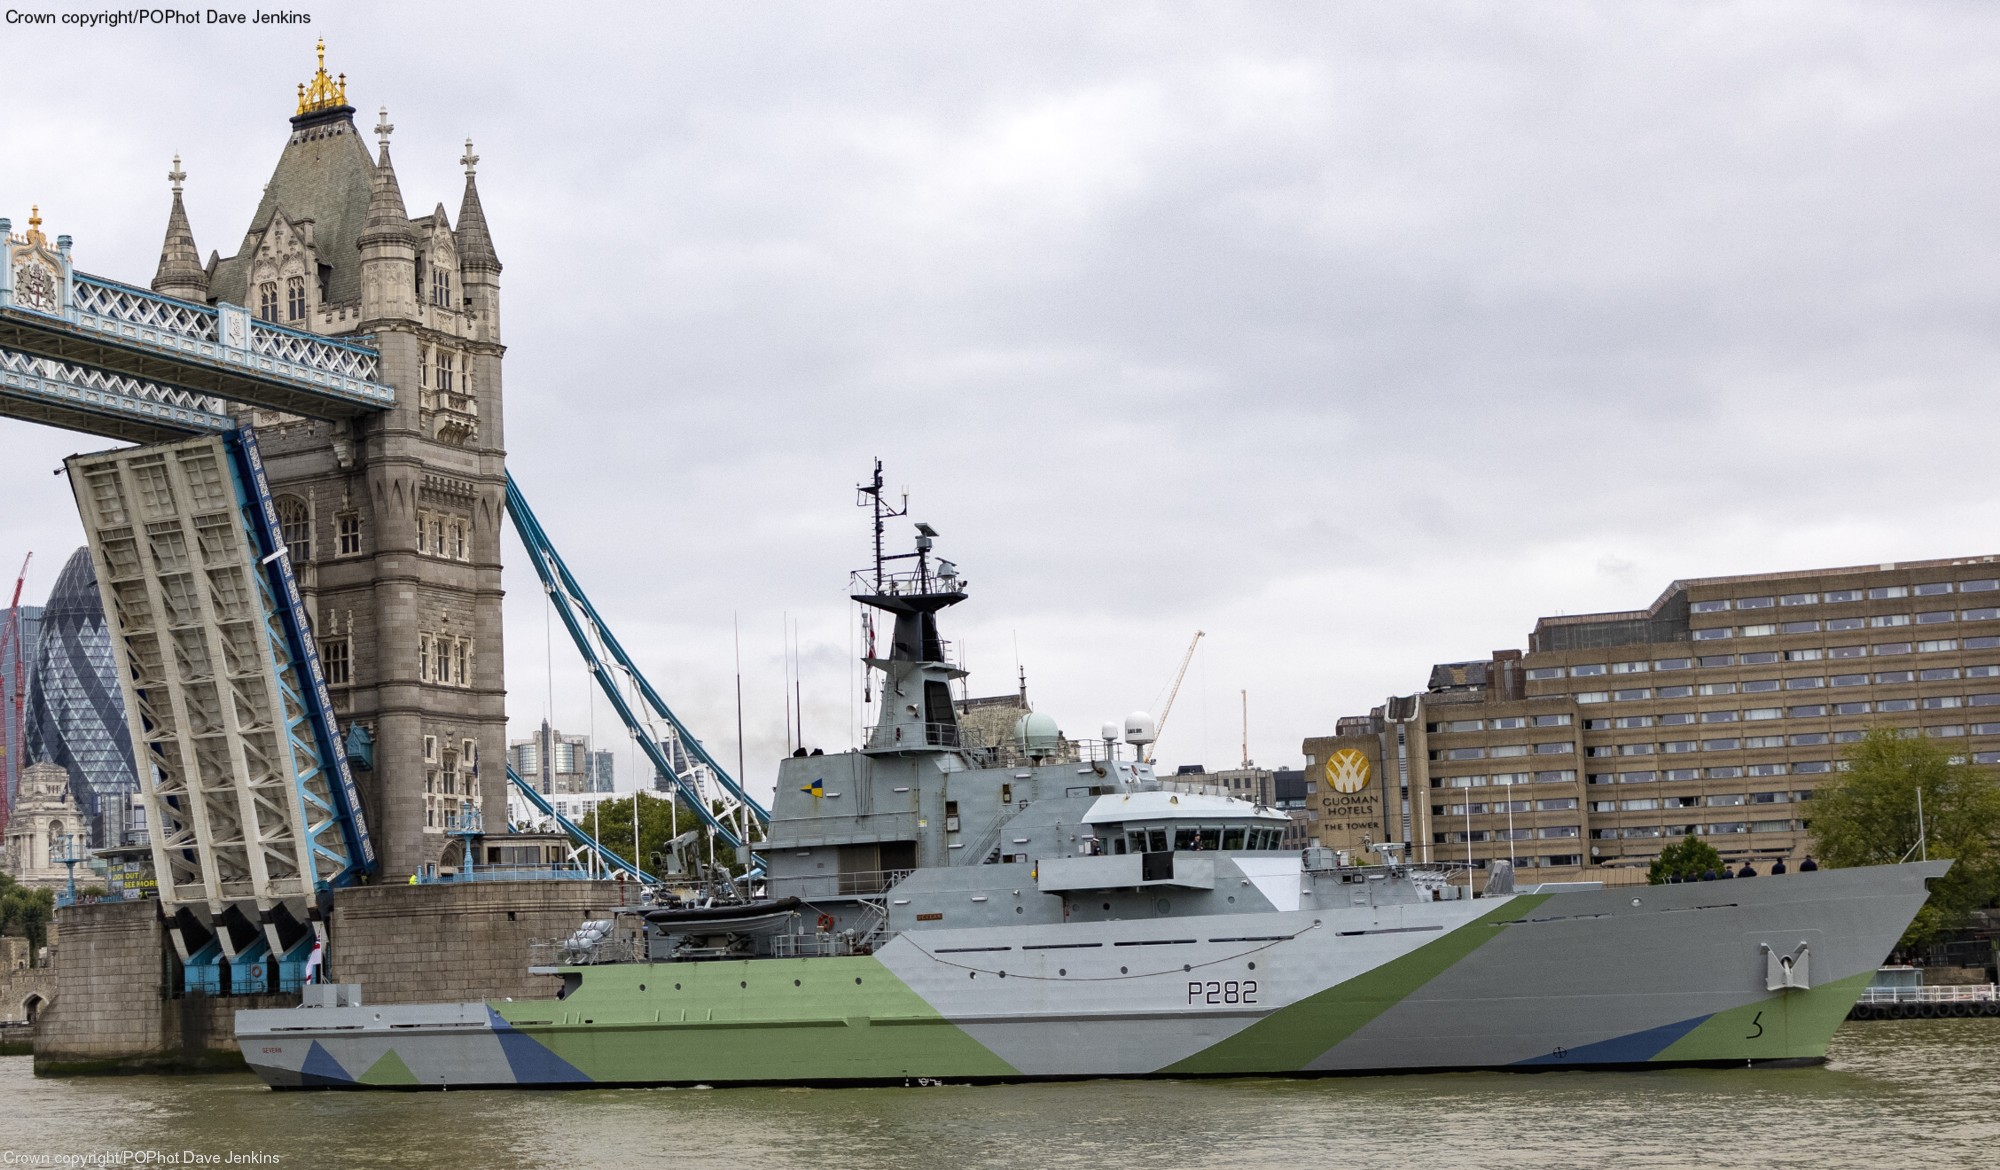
(393, 521)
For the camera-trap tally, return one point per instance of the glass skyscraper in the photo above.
(76, 713)
(14, 681)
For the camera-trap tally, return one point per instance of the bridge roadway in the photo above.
(123, 362)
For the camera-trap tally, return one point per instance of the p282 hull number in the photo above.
(1223, 991)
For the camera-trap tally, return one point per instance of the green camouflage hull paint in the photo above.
(1292, 1037)
(1790, 1025)
(821, 1019)
(390, 1071)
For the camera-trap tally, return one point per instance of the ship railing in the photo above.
(1961, 993)
(869, 882)
(932, 735)
(560, 952)
(553, 872)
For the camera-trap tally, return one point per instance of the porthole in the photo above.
(795, 983)
(1253, 966)
(1003, 974)
(1186, 967)
(1020, 909)
(1062, 970)
(1107, 905)
(642, 987)
(1121, 970)
(677, 987)
(857, 981)
(1232, 899)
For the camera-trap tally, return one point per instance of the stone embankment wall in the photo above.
(113, 1010)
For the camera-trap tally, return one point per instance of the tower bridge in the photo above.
(301, 562)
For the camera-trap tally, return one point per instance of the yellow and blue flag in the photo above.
(816, 788)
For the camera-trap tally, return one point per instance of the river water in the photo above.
(1893, 1093)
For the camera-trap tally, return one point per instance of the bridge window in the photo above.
(295, 299)
(458, 542)
(267, 300)
(461, 659)
(348, 526)
(440, 287)
(444, 366)
(333, 659)
(424, 675)
(295, 528)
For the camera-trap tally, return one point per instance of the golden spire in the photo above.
(323, 92)
(35, 235)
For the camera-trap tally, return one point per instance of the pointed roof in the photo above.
(326, 175)
(475, 244)
(388, 221)
(180, 273)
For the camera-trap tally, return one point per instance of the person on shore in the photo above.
(1808, 865)
(1777, 867)
(1748, 870)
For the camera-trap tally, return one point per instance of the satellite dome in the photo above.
(1141, 728)
(1037, 734)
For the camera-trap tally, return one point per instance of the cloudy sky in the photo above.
(1357, 336)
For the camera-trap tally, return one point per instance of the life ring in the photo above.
(257, 972)
(826, 924)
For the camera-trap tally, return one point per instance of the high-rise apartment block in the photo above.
(1715, 711)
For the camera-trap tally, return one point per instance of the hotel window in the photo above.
(1676, 692)
(1674, 746)
(1554, 749)
(1848, 736)
(1981, 615)
(1812, 767)
(1718, 688)
(1988, 671)
(1945, 731)
(1887, 706)
(1725, 773)
(1849, 680)
(1589, 670)
(1833, 595)
(1943, 702)
(1809, 739)
(1933, 588)
(1715, 605)
(1804, 684)
(1755, 602)
(1937, 673)
(295, 299)
(1592, 697)
(1540, 673)
(1754, 742)
(1895, 676)
(1846, 623)
(333, 661)
(1805, 654)
(1597, 725)
(1718, 717)
(1632, 695)
(1755, 685)
(1635, 749)
(1709, 660)
(1683, 774)
(1861, 708)
(1637, 777)
(1809, 711)
(1933, 617)
(1460, 725)
(1807, 627)
(1888, 592)
(1770, 798)
(1799, 599)
(1510, 749)
(1552, 721)
(1890, 648)
(1510, 722)
(1983, 642)
(267, 301)
(1937, 647)
(1986, 729)
(1760, 658)
(1756, 713)
(1726, 799)
(1556, 804)
(1883, 621)
(1673, 664)
(1986, 586)
(1714, 634)
(1629, 667)
(347, 527)
(1562, 776)
(1631, 721)
(1765, 770)
(1848, 652)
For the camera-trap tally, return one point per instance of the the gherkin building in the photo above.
(76, 713)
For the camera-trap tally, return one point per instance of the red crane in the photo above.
(14, 694)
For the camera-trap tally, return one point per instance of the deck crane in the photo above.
(14, 696)
(1168, 707)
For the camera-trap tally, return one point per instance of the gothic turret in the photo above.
(388, 243)
(479, 265)
(181, 273)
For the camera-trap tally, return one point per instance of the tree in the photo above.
(1867, 815)
(1686, 860)
(26, 912)
(660, 821)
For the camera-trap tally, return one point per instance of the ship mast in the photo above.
(917, 713)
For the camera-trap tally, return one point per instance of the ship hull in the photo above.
(1632, 977)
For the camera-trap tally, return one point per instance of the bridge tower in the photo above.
(392, 520)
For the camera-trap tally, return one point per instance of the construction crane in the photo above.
(14, 696)
(1168, 707)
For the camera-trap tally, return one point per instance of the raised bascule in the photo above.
(300, 561)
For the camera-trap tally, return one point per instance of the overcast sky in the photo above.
(1358, 336)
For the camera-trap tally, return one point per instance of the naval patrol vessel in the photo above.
(933, 911)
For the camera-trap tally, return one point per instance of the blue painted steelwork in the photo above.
(569, 598)
(576, 832)
(292, 966)
(333, 809)
(251, 971)
(202, 973)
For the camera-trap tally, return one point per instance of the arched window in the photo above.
(56, 844)
(267, 300)
(295, 299)
(295, 525)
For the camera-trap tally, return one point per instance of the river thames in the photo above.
(1892, 1093)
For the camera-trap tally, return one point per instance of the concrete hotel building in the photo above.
(1715, 711)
